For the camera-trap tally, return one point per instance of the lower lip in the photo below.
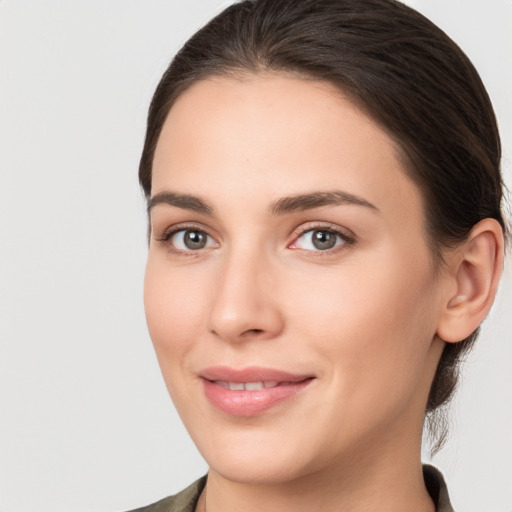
(250, 402)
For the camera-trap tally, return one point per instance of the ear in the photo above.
(474, 271)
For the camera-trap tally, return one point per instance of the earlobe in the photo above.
(475, 268)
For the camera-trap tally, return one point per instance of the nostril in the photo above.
(253, 331)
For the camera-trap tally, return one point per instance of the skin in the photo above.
(361, 318)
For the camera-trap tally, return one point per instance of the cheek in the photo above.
(374, 319)
(172, 301)
(374, 329)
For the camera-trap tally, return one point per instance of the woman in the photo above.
(326, 236)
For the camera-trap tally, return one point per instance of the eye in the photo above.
(320, 240)
(190, 240)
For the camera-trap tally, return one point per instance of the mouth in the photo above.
(250, 386)
(250, 391)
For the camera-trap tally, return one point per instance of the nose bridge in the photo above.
(243, 304)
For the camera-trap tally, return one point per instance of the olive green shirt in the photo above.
(186, 500)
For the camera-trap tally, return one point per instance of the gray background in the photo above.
(85, 421)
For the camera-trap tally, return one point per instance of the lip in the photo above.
(250, 402)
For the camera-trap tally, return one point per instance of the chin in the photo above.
(258, 455)
(256, 470)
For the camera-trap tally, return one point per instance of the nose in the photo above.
(244, 306)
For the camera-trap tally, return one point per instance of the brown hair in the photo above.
(398, 67)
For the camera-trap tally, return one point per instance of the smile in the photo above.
(251, 391)
(248, 386)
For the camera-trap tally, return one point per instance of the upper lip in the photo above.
(250, 374)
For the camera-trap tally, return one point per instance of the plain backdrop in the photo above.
(85, 422)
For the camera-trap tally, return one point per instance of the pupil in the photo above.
(195, 239)
(324, 240)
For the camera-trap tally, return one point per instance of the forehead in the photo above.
(274, 135)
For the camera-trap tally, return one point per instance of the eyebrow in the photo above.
(294, 203)
(301, 202)
(185, 201)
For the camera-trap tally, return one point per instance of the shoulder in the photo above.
(436, 487)
(184, 501)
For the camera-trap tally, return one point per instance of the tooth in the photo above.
(253, 385)
(270, 383)
(222, 384)
(236, 386)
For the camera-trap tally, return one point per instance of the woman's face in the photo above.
(289, 287)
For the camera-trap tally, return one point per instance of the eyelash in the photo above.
(166, 237)
(347, 239)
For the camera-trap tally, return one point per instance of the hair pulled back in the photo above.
(401, 70)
